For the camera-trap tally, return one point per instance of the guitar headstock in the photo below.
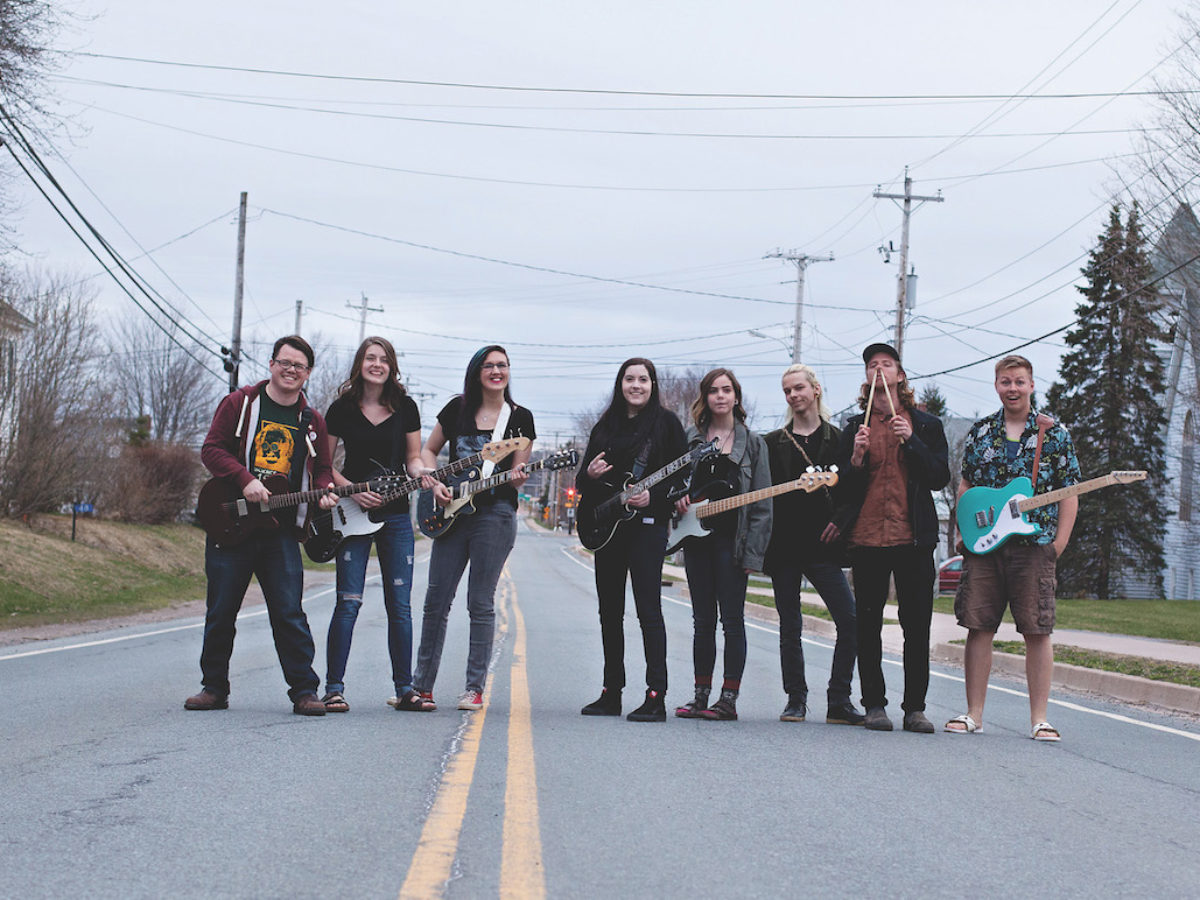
(564, 459)
(813, 479)
(704, 451)
(385, 483)
(1128, 477)
(494, 451)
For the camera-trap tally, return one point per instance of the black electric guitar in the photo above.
(327, 528)
(229, 518)
(603, 508)
(434, 521)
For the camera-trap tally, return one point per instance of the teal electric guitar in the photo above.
(987, 517)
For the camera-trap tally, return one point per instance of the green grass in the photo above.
(1156, 670)
(110, 570)
(1177, 620)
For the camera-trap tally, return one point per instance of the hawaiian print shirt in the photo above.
(986, 464)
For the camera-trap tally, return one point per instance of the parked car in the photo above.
(949, 574)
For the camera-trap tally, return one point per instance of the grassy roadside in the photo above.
(1156, 670)
(110, 570)
(1174, 620)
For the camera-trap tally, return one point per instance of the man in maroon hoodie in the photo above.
(262, 430)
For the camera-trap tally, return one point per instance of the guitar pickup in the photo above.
(242, 508)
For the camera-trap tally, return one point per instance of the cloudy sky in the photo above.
(586, 182)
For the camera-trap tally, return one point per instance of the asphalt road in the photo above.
(111, 789)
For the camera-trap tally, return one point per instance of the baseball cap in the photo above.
(880, 348)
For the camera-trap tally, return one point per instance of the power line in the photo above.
(366, 79)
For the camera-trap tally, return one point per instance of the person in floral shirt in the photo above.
(1020, 574)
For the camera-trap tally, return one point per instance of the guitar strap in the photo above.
(787, 429)
(497, 435)
(1043, 423)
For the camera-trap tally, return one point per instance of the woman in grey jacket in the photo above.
(718, 563)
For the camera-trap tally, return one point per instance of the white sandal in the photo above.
(1044, 731)
(969, 725)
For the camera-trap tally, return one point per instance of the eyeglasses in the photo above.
(288, 366)
(499, 367)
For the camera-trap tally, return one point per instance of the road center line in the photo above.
(522, 873)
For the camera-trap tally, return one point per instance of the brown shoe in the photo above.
(308, 705)
(206, 699)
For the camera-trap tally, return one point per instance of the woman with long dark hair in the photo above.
(378, 424)
(718, 564)
(634, 437)
(807, 542)
(485, 409)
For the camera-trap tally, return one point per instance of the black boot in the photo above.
(608, 704)
(653, 710)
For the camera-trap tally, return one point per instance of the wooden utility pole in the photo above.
(363, 310)
(299, 315)
(235, 345)
(801, 260)
(902, 279)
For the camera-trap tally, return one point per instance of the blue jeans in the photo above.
(634, 552)
(827, 578)
(716, 583)
(484, 539)
(274, 558)
(394, 543)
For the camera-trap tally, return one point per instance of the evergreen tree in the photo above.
(933, 400)
(1108, 397)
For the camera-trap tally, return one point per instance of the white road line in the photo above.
(143, 634)
(1065, 704)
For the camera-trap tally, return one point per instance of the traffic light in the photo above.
(570, 497)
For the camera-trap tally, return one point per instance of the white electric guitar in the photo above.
(691, 523)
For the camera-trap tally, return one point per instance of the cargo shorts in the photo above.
(1019, 576)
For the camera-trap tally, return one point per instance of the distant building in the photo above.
(12, 323)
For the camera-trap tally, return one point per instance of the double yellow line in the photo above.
(521, 870)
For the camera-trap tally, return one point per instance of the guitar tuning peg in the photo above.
(833, 468)
(810, 470)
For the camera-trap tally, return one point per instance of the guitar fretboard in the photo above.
(665, 472)
(807, 483)
(1083, 487)
(486, 484)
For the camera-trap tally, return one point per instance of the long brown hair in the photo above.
(393, 391)
(701, 414)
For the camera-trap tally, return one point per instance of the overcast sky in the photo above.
(604, 142)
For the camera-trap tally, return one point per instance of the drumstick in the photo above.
(888, 391)
(871, 399)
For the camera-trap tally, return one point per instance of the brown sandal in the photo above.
(411, 701)
(335, 702)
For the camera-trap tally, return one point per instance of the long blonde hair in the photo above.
(811, 377)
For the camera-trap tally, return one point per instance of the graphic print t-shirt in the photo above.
(275, 441)
(520, 424)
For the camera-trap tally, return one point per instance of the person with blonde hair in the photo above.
(806, 542)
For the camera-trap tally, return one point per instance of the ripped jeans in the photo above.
(394, 544)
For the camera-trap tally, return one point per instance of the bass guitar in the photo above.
(327, 528)
(229, 518)
(598, 520)
(691, 523)
(987, 517)
(434, 521)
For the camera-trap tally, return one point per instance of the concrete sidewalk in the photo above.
(944, 629)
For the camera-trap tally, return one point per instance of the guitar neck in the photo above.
(414, 484)
(295, 498)
(651, 480)
(716, 507)
(486, 484)
(1074, 490)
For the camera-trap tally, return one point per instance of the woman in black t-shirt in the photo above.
(380, 427)
(484, 538)
(634, 435)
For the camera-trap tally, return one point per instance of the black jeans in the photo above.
(831, 584)
(636, 551)
(717, 584)
(914, 573)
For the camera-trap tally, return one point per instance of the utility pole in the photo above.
(300, 316)
(902, 280)
(235, 346)
(363, 310)
(801, 260)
